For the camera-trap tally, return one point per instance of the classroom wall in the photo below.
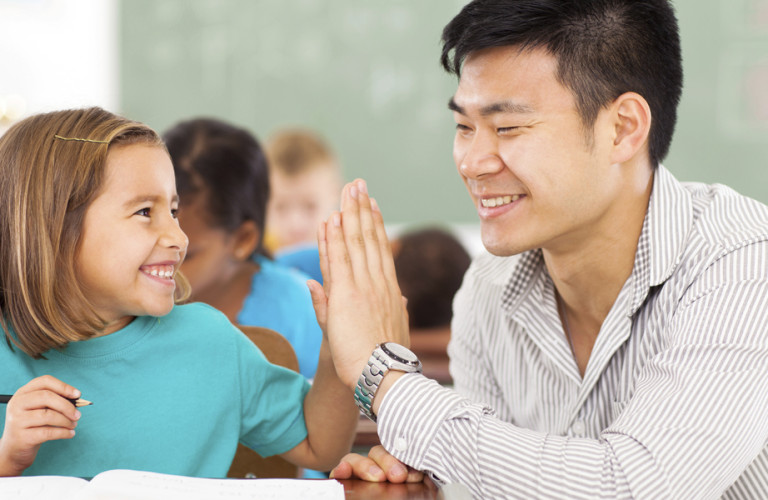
(57, 54)
(365, 74)
(722, 132)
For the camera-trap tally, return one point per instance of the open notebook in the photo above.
(138, 485)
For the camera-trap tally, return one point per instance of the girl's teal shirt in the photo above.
(172, 394)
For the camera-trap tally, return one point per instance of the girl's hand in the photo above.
(38, 412)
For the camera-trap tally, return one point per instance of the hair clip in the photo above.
(79, 139)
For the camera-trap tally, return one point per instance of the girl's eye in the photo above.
(143, 212)
(175, 213)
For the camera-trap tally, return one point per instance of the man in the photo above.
(624, 351)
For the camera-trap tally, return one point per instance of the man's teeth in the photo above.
(499, 200)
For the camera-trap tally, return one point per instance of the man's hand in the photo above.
(360, 304)
(378, 466)
(38, 412)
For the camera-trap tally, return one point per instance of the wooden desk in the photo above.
(357, 489)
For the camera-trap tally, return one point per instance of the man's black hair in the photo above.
(604, 48)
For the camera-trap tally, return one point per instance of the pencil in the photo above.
(4, 398)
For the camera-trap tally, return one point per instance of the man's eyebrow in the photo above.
(455, 107)
(505, 107)
(497, 107)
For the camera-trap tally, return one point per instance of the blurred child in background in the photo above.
(430, 264)
(306, 182)
(223, 183)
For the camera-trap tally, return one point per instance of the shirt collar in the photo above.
(525, 276)
(662, 240)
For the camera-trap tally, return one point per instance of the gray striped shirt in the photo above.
(673, 403)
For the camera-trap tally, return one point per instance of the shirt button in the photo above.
(401, 444)
(578, 428)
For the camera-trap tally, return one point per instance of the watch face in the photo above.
(402, 354)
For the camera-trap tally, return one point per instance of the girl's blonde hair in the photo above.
(52, 166)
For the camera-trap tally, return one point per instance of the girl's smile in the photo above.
(163, 273)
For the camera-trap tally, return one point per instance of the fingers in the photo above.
(52, 384)
(395, 470)
(339, 269)
(360, 227)
(38, 435)
(360, 231)
(385, 249)
(414, 476)
(368, 229)
(342, 471)
(322, 248)
(46, 392)
(378, 466)
(354, 465)
(44, 425)
(319, 303)
(50, 417)
(42, 409)
(352, 231)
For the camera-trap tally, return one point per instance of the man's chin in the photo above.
(501, 248)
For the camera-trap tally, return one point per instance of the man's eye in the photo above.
(143, 212)
(463, 130)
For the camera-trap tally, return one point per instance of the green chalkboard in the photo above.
(366, 75)
(722, 132)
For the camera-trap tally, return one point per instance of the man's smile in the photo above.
(498, 201)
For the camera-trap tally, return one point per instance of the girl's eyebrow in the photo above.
(148, 198)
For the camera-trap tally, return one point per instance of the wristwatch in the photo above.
(386, 356)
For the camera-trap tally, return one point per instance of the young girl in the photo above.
(223, 181)
(89, 256)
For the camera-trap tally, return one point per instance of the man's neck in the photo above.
(589, 275)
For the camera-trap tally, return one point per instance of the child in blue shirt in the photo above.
(223, 181)
(90, 250)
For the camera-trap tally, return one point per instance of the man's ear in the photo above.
(246, 239)
(632, 123)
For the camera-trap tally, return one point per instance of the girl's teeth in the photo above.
(161, 273)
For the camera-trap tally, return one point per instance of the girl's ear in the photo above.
(246, 239)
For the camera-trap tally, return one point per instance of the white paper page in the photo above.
(137, 485)
(40, 487)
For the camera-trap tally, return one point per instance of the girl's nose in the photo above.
(173, 236)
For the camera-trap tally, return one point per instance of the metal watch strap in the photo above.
(368, 384)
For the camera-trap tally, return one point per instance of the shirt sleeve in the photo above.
(694, 423)
(272, 403)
